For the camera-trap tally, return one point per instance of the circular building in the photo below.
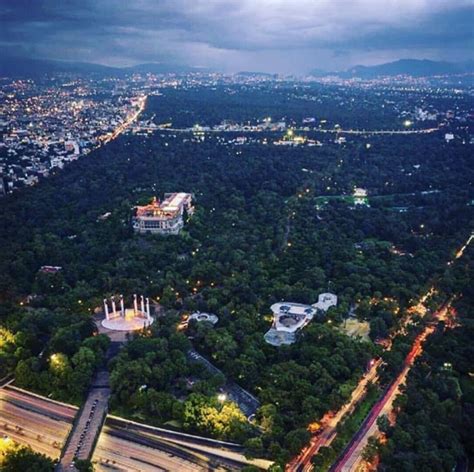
(198, 316)
(119, 318)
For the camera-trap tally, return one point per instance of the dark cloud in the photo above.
(273, 35)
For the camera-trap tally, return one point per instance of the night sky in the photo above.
(291, 36)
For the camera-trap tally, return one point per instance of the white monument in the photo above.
(127, 319)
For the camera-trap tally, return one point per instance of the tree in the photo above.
(266, 417)
(371, 449)
(19, 458)
(253, 448)
(84, 465)
(296, 440)
(384, 424)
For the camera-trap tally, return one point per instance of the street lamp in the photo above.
(222, 397)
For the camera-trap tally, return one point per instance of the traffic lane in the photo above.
(120, 423)
(28, 422)
(37, 404)
(129, 456)
(27, 419)
(355, 458)
(326, 436)
(350, 455)
(234, 458)
(42, 433)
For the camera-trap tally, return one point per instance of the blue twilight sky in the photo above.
(267, 35)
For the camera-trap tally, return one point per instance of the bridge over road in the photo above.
(88, 423)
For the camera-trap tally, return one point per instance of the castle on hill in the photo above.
(164, 217)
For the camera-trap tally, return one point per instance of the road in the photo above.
(33, 421)
(121, 454)
(246, 401)
(303, 461)
(352, 454)
(220, 452)
(330, 422)
(303, 130)
(116, 421)
(45, 425)
(128, 121)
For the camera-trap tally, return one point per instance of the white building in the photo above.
(165, 217)
(360, 196)
(325, 301)
(288, 318)
(209, 317)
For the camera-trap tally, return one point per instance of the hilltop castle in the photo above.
(164, 217)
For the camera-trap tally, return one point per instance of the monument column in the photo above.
(135, 304)
(148, 309)
(106, 309)
(122, 309)
(114, 308)
(142, 304)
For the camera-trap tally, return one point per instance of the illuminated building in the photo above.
(119, 318)
(288, 318)
(360, 196)
(209, 317)
(164, 217)
(325, 301)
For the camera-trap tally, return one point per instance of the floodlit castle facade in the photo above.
(164, 217)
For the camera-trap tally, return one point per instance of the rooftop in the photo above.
(171, 206)
(289, 317)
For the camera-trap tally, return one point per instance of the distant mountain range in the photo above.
(26, 67)
(412, 67)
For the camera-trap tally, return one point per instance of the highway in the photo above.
(352, 454)
(330, 422)
(124, 445)
(116, 421)
(33, 421)
(219, 452)
(128, 121)
(304, 130)
(138, 450)
(114, 452)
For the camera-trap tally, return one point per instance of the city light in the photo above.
(6, 444)
(222, 397)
